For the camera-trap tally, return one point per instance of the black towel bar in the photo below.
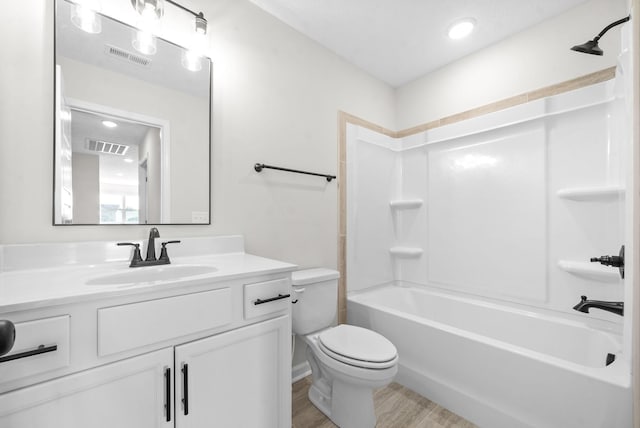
(260, 166)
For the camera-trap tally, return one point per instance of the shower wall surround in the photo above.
(507, 206)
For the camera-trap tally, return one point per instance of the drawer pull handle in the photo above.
(39, 350)
(185, 387)
(167, 392)
(278, 297)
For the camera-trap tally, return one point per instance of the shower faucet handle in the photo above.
(614, 261)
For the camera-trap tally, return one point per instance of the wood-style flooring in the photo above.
(396, 407)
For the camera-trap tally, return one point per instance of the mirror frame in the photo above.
(55, 129)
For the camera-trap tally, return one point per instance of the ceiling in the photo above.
(398, 41)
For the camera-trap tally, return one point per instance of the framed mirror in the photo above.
(132, 130)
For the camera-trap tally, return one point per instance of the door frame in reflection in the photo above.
(165, 152)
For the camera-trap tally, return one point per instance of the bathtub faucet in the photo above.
(585, 305)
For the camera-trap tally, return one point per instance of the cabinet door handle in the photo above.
(167, 393)
(185, 388)
(39, 350)
(278, 297)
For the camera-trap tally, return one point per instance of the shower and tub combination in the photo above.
(469, 245)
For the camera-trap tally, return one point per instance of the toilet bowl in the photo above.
(347, 362)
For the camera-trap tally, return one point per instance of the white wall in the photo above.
(533, 59)
(86, 188)
(275, 100)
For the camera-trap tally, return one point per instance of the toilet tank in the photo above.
(315, 293)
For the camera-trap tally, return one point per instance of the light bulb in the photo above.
(145, 42)
(150, 9)
(191, 60)
(199, 43)
(84, 16)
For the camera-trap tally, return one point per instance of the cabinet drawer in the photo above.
(126, 327)
(261, 298)
(48, 337)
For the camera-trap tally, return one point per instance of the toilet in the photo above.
(347, 362)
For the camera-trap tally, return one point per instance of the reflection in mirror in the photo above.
(132, 131)
(117, 169)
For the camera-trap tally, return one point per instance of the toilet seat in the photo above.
(358, 347)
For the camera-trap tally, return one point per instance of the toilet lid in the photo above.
(358, 346)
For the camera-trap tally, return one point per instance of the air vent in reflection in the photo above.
(127, 56)
(106, 147)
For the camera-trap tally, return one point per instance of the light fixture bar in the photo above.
(201, 22)
(145, 40)
(186, 9)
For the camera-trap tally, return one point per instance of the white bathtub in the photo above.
(499, 366)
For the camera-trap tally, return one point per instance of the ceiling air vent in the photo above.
(106, 147)
(127, 56)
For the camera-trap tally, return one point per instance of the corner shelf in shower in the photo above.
(590, 270)
(591, 193)
(403, 204)
(407, 252)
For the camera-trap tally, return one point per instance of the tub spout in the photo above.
(585, 305)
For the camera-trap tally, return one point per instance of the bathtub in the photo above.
(496, 365)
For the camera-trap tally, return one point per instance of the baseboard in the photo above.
(300, 371)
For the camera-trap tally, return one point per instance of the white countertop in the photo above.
(23, 289)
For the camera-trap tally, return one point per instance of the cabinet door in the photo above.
(241, 378)
(127, 394)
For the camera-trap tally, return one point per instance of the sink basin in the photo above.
(152, 274)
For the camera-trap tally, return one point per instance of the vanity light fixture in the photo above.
(591, 47)
(151, 12)
(192, 57)
(461, 28)
(149, 9)
(201, 24)
(109, 123)
(85, 16)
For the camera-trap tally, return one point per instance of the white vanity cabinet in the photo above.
(207, 355)
(236, 379)
(126, 394)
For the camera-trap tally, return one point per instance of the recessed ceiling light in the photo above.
(109, 124)
(461, 28)
(128, 160)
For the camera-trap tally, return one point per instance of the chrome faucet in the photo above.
(151, 245)
(585, 305)
(150, 260)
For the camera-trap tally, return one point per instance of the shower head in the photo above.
(591, 47)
